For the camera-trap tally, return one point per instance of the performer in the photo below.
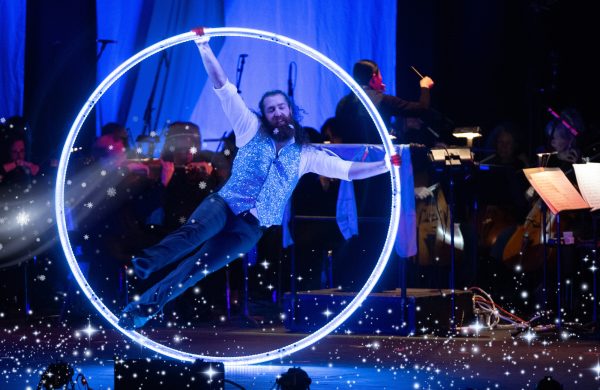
(353, 120)
(271, 158)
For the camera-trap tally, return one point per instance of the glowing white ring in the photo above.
(224, 32)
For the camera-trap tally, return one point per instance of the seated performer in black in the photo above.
(271, 158)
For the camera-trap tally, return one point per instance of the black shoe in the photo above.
(142, 267)
(135, 315)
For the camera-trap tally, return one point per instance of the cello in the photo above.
(433, 230)
(525, 246)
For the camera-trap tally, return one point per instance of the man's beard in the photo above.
(283, 132)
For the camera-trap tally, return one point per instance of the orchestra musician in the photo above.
(353, 119)
(563, 135)
(188, 173)
(525, 246)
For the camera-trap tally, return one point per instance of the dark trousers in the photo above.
(211, 238)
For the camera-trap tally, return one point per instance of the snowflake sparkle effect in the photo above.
(23, 218)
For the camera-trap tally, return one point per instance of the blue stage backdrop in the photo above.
(12, 52)
(341, 30)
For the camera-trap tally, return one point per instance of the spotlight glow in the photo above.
(225, 32)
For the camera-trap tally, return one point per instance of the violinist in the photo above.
(525, 245)
(15, 169)
(563, 135)
(188, 173)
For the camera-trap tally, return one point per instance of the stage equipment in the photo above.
(452, 161)
(294, 379)
(225, 32)
(426, 311)
(167, 374)
(467, 132)
(57, 375)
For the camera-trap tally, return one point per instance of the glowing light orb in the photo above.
(225, 32)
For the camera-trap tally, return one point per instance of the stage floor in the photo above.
(489, 360)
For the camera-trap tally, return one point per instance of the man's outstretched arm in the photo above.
(211, 64)
(325, 164)
(363, 170)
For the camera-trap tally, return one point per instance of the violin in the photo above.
(152, 168)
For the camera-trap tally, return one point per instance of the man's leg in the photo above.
(217, 252)
(206, 221)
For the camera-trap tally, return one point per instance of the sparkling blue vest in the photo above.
(260, 179)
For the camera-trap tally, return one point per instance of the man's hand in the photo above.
(201, 166)
(426, 82)
(201, 39)
(29, 166)
(138, 168)
(569, 155)
(422, 193)
(166, 173)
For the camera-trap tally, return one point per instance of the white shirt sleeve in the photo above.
(244, 122)
(323, 162)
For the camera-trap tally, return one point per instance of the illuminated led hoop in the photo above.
(224, 32)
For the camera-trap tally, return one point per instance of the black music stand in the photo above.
(451, 161)
(557, 242)
(595, 219)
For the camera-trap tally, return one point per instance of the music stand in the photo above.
(467, 132)
(451, 160)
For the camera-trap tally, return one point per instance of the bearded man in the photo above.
(272, 156)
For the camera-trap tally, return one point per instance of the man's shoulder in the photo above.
(346, 101)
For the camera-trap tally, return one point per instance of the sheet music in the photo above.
(556, 190)
(588, 180)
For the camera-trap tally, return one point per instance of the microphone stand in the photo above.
(239, 71)
(167, 64)
(103, 43)
(145, 135)
(292, 74)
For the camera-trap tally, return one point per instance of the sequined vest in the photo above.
(260, 179)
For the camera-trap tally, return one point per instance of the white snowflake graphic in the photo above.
(86, 237)
(193, 150)
(227, 152)
(111, 192)
(202, 185)
(23, 218)
(89, 205)
(182, 220)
